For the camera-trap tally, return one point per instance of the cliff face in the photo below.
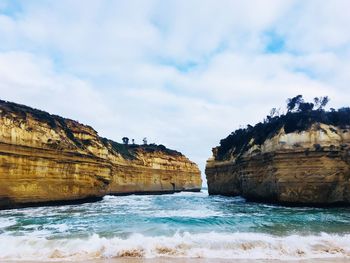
(46, 158)
(311, 167)
(155, 172)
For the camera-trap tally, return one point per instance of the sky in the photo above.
(182, 73)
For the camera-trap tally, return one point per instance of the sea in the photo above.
(174, 226)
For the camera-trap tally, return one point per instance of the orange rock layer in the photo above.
(48, 159)
(306, 168)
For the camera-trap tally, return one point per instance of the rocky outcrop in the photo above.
(49, 159)
(310, 167)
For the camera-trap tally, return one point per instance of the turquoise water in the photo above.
(178, 225)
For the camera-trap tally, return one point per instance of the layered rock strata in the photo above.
(310, 167)
(48, 159)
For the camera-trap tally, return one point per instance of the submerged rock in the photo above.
(47, 159)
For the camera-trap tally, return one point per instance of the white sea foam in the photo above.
(204, 213)
(195, 194)
(5, 222)
(58, 227)
(131, 200)
(205, 245)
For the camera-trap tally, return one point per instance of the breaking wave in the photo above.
(185, 245)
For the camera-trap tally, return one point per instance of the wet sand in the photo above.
(192, 260)
(212, 260)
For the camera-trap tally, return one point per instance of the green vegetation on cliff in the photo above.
(299, 117)
(129, 151)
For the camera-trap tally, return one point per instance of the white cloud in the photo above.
(182, 73)
(314, 26)
(31, 80)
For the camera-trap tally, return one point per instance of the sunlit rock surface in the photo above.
(311, 167)
(46, 159)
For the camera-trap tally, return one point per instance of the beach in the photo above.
(200, 260)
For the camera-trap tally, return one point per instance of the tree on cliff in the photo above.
(144, 141)
(305, 107)
(125, 140)
(297, 104)
(294, 102)
(321, 102)
(300, 116)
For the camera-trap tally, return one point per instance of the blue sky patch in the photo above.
(10, 8)
(275, 42)
(183, 67)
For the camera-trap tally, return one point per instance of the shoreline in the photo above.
(165, 192)
(189, 260)
(8, 205)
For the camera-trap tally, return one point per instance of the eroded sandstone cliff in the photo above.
(303, 167)
(46, 158)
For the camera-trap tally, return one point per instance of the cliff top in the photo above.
(300, 117)
(70, 127)
(129, 151)
(22, 111)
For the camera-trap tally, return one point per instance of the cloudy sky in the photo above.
(181, 73)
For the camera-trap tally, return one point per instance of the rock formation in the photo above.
(301, 158)
(47, 159)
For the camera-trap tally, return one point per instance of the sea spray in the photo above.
(208, 245)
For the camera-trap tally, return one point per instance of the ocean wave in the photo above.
(185, 245)
(182, 213)
(5, 222)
